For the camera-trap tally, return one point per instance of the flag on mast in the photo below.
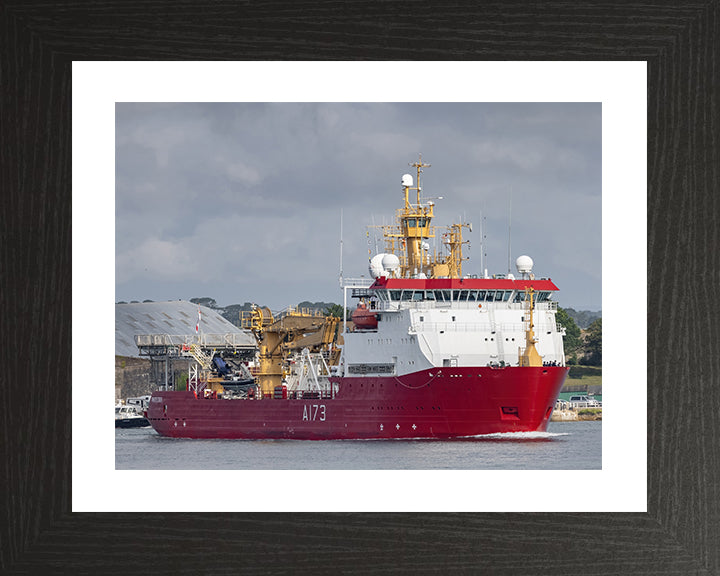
(197, 326)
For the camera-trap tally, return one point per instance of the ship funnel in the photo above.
(407, 180)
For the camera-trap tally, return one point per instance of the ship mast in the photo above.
(406, 238)
(415, 226)
(530, 356)
(419, 165)
(454, 241)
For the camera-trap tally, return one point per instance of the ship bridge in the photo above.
(460, 292)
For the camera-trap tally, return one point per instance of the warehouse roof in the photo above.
(178, 317)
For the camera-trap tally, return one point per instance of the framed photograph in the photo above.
(368, 523)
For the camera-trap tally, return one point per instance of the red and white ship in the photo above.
(431, 354)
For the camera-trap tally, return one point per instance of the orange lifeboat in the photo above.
(363, 318)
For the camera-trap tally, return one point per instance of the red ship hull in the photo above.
(436, 403)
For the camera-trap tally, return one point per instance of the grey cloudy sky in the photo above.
(241, 202)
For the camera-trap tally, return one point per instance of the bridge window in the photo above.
(394, 295)
(411, 222)
(463, 295)
(443, 295)
(406, 295)
(418, 295)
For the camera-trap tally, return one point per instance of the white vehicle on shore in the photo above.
(583, 401)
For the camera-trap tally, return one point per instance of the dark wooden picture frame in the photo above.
(680, 533)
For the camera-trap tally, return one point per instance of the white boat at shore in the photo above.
(130, 415)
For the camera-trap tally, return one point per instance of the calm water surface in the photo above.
(565, 446)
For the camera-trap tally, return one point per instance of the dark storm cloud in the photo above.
(241, 202)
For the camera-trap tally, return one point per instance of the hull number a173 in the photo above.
(314, 412)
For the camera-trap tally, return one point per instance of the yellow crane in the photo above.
(292, 331)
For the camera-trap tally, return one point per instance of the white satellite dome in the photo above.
(524, 264)
(376, 265)
(407, 180)
(390, 262)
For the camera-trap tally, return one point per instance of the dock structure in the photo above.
(168, 333)
(239, 343)
(199, 349)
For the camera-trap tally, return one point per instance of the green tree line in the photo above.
(581, 347)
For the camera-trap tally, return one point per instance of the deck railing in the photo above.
(487, 327)
(231, 339)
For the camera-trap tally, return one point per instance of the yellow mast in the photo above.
(415, 226)
(530, 356)
(454, 241)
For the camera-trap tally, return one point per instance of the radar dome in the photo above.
(524, 264)
(390, 262)
(376, 267)
(407, 180)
